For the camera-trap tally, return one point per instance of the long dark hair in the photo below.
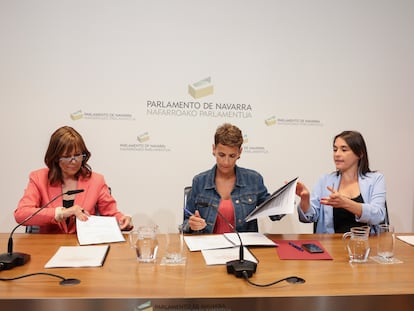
(357, 144)
(66, 140)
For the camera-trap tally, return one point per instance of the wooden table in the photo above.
(124, 284)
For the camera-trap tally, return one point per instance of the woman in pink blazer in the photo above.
(67, 169)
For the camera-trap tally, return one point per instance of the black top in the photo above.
(67, 204)
(345, 220)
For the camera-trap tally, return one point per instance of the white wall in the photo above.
(342, 64)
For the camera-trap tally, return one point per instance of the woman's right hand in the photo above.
(76, 211)
(196, 222)
(304, 195)
(301, 190)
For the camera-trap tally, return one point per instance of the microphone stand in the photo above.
(239, 267)
(12, 259)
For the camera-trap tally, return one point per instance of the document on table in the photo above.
(98, 229)
(223, 255)
(407, 238)
(250, 239)
(227, 240)
(280, 202)
(206, 241)
(78, 256)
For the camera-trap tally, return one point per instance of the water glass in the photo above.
(385, 242)
(175, 246)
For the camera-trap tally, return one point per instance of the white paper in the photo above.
(250, 238)
(221, 256)
(226, 240)
(282, 201)
(407, 238)
(206, 241)
(78, 256)
(98, 229)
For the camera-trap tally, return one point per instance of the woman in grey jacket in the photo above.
(351, 196)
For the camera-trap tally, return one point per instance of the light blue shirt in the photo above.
(372, 187)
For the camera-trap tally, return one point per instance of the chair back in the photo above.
(386, 218)
(32, 229)
(187, 191)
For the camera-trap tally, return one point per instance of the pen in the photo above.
(296, 246)
(188, 211)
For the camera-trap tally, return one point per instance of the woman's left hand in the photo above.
(335, 199)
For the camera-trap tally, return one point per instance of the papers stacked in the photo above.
(204, 241)
(226, 240)
(250, 239)
(98, 229)
(223, 255)
(217, 249)
(78, 256)
(406, 238)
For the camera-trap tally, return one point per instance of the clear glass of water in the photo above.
(175, 246)
(386, 242)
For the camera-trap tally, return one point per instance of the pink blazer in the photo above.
(39, 192)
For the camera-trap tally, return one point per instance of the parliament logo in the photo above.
(76, 115)
(201, 88)
(146, 306)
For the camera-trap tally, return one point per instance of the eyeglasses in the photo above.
(77, 158)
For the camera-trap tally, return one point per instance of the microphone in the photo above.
(239, 267)
(10, 260)
(69, 192)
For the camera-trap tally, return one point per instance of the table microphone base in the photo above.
(9, 261)
(237, 267)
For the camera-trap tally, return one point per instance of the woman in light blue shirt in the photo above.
(351, 196)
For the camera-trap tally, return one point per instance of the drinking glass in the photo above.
(385, 242)
(175, 246)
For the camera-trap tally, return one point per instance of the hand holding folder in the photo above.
(282, 201)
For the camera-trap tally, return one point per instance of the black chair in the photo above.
(387, 217)
(187, 191)
(32, 229)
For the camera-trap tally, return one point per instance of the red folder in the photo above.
(287, 251)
